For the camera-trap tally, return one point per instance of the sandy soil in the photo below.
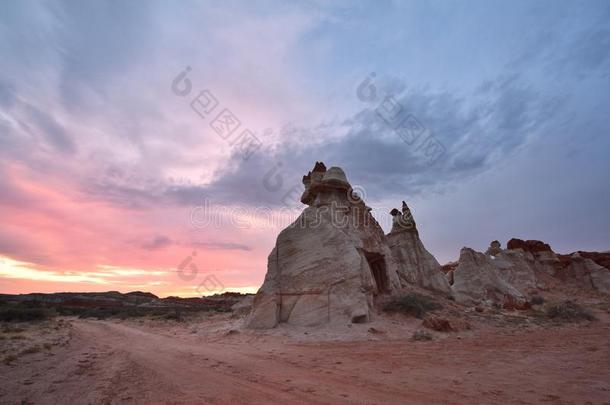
(208, 362)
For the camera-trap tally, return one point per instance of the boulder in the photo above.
(329, 264)
(532, 246)
(414, 263)
(494, 248)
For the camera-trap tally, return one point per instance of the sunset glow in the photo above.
(113, 173)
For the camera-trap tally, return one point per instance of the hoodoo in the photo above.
(330, 263)
(415, 264)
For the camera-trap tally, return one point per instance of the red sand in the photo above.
(127, 362)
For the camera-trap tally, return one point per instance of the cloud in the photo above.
(158, 242)
(579, 50)
(501, 117)
(48, 127)
(101, 163)
(477, 132)
(7, 94)
(215, 245)
(18, 244)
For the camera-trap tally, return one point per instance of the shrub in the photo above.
(20, 313)
(412, 304)
(569, 311)
(31, 350)
(537, 300)
(421, 336)
(9, 359)
(8, 328)
(438, 324)
(174, 316)
(18, 337)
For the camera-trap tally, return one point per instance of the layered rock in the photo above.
(329, 264)
(478, 278)
(587, 274)
(500, 276)
(516, 269)
(537, 253)
(415, 264)
(513, 273)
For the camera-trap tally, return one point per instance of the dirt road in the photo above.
(114, 362)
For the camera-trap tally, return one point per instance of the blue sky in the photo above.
(517, 94)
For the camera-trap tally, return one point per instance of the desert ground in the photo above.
(501, 358)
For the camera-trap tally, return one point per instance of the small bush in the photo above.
(174, 316)
(569, 311)
(18, 337)
(438, 324)
(421, 336)
(8, 328)
(412, 304)
(9, 359)
(20, 313)
(537, 300)
(31, 350)
(113, 312)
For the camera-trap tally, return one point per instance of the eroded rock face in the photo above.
(329, 264)
(532, 246)
(477, 279)
(520, 266)
(537, 253)
(587, 274)
(517, 269)
(415, 264)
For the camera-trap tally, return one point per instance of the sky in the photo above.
(160, 145)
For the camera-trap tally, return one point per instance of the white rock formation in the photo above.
(329, 264)
(415, 264)
(516, 269)
(477, 279)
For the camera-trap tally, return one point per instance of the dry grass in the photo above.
(30, 350)
(421, 336)
(23, 313)
(8, 328)
(9, 359)
(17, 337)
(568, 311)
(412, 304)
